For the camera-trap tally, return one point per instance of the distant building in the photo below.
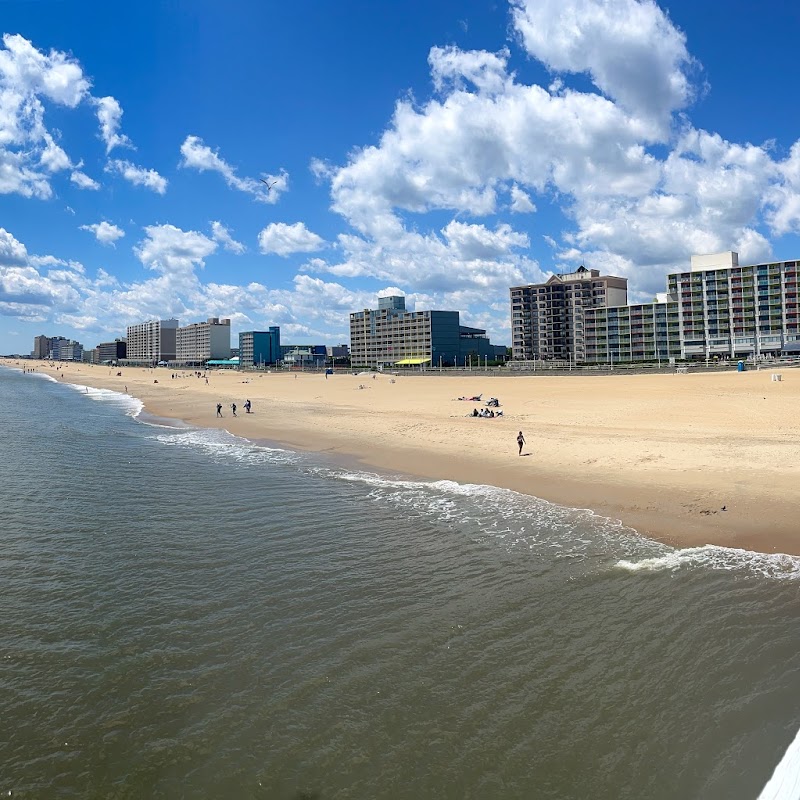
(259, 348)
(153, 341)
(302, 355)
(201, 341)
(62, 349)
(547, 319)
(111, 351)
(41, 347)
(338, 351)
(391, 336)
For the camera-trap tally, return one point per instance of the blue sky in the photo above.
(445, 150)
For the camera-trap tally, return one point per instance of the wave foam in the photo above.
(779, 566)
(132, 406)
(222, 446)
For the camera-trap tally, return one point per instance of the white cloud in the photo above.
(55, 76)
(138, 176)
(199, 156)
(220, 233)
(476, 242)
(109, 115)
(27, 292)
(170, 250)
(451, 67)
(53, 158)
(283, 239)
(630, 49)
(30, 152)
(83, 181)
(104, 232)
(521, 202)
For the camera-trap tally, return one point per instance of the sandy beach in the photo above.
(688, 459)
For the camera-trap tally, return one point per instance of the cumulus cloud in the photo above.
(168, 249)
(198, 155)
(27, 289)
(630, 49)
(138, 176)
(221, 234)
(104, 232)
(109, 115)
(453, 68)
(283, 240)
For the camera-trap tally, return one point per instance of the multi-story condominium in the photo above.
(547, 319)
(152, 341)
(201, 341)
(641, 332)
(732, 310)
(111, 351)
(41, 347)
(257, 348)
(716, 309)
(391, 336)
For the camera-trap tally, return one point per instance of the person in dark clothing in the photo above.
(520, 441)
(219, 409)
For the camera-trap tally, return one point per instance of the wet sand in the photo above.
(689, 459)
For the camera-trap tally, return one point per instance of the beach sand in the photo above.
(662, 453)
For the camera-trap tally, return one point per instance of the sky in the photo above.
(287, 163)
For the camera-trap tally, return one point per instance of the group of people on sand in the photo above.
(247, 407)
(489, 413)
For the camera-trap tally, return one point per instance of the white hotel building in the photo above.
(201, 341)
(153, 341)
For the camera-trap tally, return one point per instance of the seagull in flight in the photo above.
(268, 185)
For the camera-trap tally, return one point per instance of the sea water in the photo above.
(190, 614)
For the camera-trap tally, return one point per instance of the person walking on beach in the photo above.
(233, 409)
(219, 409)
(247, 406)
(520, 441)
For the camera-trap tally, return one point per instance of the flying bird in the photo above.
(268, 185)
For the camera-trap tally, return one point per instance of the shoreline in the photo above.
(664, 454)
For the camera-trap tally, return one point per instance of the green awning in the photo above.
(409, 361)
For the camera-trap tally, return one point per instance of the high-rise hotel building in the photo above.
(547, 319)
(201, 341)
(151, 342)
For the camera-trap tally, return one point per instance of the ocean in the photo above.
(186, 614)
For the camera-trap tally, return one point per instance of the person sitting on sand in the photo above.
(474, 412)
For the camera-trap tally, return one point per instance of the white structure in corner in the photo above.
(201, 341)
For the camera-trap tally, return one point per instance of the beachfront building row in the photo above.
(391, 336)
(716, 309)
(201, 341)
(57, 348)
